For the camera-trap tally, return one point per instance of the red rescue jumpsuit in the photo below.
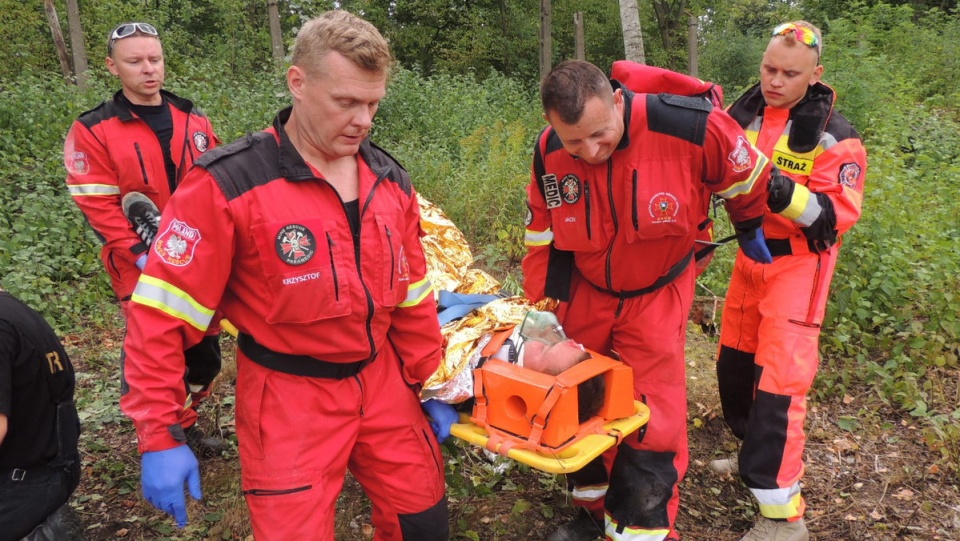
(336, 336)
(110, 152)
(614, 243)
(772, 315)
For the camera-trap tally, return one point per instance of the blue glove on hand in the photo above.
(442, 416)
(162, 474)
(142, 261)
(754, 245)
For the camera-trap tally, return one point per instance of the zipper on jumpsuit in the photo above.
(333, 266)
(143, 167)
(616, 230)
(815, 294)
(393, 257)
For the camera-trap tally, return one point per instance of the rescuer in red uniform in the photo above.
(773, 313)
(142, 140)
(614, 204)
(307, 237)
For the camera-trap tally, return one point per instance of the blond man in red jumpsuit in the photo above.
(614, 204)
(307, 236)
(773, 313)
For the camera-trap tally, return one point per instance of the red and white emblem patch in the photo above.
(78, 163)
(740, 157)
(849, 174)
(177, 244)
(663, 207)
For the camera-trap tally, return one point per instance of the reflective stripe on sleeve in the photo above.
(81, 190)
(416, 293)
(746, 186)
(537, 238)
(171, 300)
(804, 208)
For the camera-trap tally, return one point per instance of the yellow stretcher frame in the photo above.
(569, 459)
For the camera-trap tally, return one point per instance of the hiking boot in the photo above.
(203, 445)
(143, 216)
(583, 528)
(725, 466)
(777, 530)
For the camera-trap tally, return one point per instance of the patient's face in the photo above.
(551, 359)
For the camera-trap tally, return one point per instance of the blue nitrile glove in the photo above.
(142, 261)
(162, 474)
(754, 245)
(442, 416)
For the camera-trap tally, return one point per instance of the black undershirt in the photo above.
(160, 120)
(353, 216)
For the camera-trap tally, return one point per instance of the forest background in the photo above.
(461, 114)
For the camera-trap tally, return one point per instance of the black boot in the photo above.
(585, 527)
(203, 445)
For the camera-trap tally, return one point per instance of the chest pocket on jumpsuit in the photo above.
(303, 262)
(660, 195)
(577, 221)
(392, 272)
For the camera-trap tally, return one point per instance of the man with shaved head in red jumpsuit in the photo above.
(773, 313)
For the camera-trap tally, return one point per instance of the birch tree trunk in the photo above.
(632, 33)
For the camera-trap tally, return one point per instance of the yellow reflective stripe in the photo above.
(589, 493)
(171, 300)
(538, 238)
(81, 190)
(804, 208)
(746, 186)
(416, 293)
(633, 534)
(779, 503)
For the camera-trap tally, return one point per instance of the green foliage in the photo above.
(466, 145)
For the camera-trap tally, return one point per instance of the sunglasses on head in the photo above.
(129, 29)
(804, 35)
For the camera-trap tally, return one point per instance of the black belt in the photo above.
(19, 474)
(779, 247)
(670, 276)
(298, 365)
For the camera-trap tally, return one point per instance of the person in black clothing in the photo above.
(39, 427)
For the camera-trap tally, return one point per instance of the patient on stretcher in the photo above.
(537, 344)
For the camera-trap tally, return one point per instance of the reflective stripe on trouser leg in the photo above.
(589, 484)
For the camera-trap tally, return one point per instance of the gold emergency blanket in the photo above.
(449, 261)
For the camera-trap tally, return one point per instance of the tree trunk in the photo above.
(579, 51)
(57, 37)
(546, 42)
(669, 21)
(693, 60)
(632, 32)
(76, 43)
(276, 34)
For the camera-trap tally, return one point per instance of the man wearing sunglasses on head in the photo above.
(124, 159)
(773, 313)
